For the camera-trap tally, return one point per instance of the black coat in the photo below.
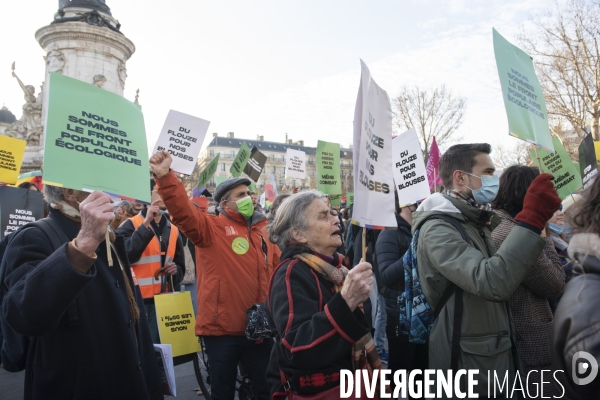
(101, 356)
(136, 241)
(577, 326)
(390, 249)
(315, 328)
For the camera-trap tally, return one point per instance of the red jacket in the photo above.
(234, 260)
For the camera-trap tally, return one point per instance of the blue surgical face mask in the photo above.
(489, 188)
(555, 228)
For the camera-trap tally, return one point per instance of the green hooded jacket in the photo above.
(487, 280)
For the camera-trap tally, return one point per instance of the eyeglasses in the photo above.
(560, 207)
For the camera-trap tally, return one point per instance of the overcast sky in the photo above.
(275, 67)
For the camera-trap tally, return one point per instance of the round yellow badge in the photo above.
(240, 245)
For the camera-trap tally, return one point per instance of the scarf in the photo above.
(364, 354)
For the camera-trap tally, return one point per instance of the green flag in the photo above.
(328, 168)
(95, 140)
(252, 186)
(522, 93)
(208, 172)
(220, 179)
(240, 161)
(566, 176)
(349, 199)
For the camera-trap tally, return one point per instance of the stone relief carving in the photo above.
(55, 61)
(122, 71)
(99, 80)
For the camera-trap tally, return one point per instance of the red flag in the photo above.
(270, 192)
(433, 171)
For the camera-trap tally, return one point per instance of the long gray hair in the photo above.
(291, 214)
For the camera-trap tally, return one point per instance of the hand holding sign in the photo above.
(160, 163)
(96, 213)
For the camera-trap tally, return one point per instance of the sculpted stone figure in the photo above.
(122, 71)
(99, 80)
(55, 61)
(29, 127)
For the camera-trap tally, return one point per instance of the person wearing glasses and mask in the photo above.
(463, 276)
(234, 263)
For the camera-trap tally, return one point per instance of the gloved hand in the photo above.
(540, 203)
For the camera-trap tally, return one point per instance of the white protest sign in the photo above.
(373, 179)
(182, 136)
(410, 174)
(295, 164)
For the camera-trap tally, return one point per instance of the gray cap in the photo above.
(226, 186)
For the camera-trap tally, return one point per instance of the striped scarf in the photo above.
(364, 353)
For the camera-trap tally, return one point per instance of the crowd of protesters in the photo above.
(510, 270)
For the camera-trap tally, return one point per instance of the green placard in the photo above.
(522, 93)
(328, 168)
(566, 176)
(208, 172)
(220, 179)
(94, 139)
(240, 161)
(349, 199)
(335, 199)
(252, 186)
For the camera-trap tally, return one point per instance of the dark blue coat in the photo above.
(102, 355)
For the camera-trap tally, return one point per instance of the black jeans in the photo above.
(224, 355)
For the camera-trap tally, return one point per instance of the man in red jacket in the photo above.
(233, 267)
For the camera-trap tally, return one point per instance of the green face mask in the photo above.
(245, 206)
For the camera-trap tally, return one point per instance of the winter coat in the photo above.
(577, 318)
(315, 328)
(390, 248)
(234, 260)
(531, 313)
(99, 355)
(487, 279)
(136, 241)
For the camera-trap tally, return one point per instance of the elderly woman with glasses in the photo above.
(313, 302)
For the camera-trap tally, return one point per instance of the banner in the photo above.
(182, 136)
(176, 322)
(255, 164)
(94, 140)
(433, 170)
(18, 207)
(350, 199)
(567, 179)
(328, 168)
(588, 163)
(11, 158)
(241, 159)
(335, 199)
(208, 172)
(410, 175)
(295, 164)
(262, 200)
(373, 179)
(272, 179)
(522, 94)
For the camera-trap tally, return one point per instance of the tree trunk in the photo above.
(595, 127)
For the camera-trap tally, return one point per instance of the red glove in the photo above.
(540, 203)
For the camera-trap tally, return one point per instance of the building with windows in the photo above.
(229, 145)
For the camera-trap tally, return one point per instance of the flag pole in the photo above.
(364, 245)
(538, 159)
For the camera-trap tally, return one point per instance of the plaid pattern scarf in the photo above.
(364, 353)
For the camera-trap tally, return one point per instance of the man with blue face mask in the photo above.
(462, 277)
(234, 262)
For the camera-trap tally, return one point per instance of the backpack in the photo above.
(13, 345)
(416, 314)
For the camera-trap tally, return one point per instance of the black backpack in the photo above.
(14, 346)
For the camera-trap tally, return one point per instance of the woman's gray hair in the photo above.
(53, 194)
(291, 214)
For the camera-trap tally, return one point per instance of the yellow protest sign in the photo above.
(176, 322)
(11, 157)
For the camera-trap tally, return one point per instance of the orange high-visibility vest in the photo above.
(145, 268)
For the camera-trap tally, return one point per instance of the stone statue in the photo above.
(137, 97)
(99, 80)
(29, 127)
(99, 5)
(55, 61)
